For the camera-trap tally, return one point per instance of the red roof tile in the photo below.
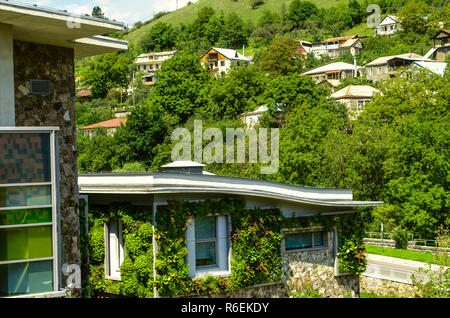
(112, 123)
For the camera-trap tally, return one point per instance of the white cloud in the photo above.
(129, 11)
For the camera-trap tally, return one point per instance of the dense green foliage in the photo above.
(396, 151)
(137, 267)
(255, 241)
(105, 72)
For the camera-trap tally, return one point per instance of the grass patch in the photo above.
(425, 257)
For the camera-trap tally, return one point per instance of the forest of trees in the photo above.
(396, 151)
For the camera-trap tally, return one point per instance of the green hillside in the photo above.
(188, 13)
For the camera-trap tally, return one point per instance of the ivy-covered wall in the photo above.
(137, 267)
(256, 241)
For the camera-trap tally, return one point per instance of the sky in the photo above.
(127, 11)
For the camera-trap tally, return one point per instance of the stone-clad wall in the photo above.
(384, 287)
(36, 61)
(316, 268)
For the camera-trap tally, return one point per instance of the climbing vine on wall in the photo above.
(137, 267)
(255, 241)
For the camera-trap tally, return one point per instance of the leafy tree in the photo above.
(181, 86)
(97, 12)
(356, 11)
(285, 92)
(308, 126)
(299, 11)
(96, 153)
(161, 37)
(412, 17)
(213, 30)
(235, 33)
(338, 18)
(282, 57)
(198, 26)
(106, 71)
(145, 129)
(89, 113)
(237, 92)
(398, 153)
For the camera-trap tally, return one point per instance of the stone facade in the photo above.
(316, 267)
(384, 287)
(36, 61)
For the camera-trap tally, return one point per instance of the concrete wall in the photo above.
(377, 73)
(35, 61)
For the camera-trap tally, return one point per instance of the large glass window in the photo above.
(205, 241)
(27, 211)
(208, 244)
(304, 240)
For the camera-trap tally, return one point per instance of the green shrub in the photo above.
(400, 236)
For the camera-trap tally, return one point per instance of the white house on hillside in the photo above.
(150, 63)
(388, 26)
(252, 118)
(334, 71)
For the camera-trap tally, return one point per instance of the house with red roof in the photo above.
(110, 126)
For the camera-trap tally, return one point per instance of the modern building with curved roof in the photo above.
(305, 251)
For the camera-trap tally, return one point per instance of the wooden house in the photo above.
(219, 60)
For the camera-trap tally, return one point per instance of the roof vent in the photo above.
(188, 167)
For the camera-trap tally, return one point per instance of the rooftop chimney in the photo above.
(189, 167)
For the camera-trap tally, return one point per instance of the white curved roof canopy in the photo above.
(178, 183)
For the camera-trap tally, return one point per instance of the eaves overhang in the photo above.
(42, 25)
(167, 183)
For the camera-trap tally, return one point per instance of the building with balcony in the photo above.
(219, 60)
(441, 46)
(39, 219)
(150, 63)
(333, 47)
(380, 69)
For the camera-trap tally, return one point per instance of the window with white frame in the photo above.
(300, 240)
(28, 207)
(208, 243)
(114, 250)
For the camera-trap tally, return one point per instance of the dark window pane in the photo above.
(298, 240)
(205, 227)
(25, 216)
(25, 196)
(205, 253)
(26, 278)
(318, 238)
(24, 158)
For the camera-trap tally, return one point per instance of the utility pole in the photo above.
(132, 89)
